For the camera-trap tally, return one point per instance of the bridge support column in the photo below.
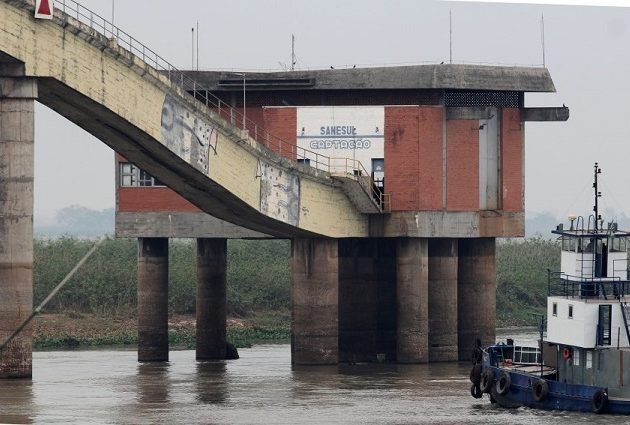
(152, 299)
(315, 302)
(412, 300)
(16, 222)
(211, 304)
(476, 294)
(442, 300)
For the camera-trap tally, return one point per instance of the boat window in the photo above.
(617, 245)
(569, 244)
(576, 356)
(589, 359)
(604, 325)
(570, 311)
(554, 309)
(585, 245)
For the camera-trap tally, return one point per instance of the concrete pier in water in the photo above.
(211, 302)
(152, 299)
(16, 222)
(443, 299)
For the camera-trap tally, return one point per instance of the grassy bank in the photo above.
(75, 330)
(98, 307)
(522, 279)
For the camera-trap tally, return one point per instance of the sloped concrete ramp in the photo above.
(142, 114)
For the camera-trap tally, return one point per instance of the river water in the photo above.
(110, 386)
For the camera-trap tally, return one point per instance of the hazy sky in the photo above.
(587, 53)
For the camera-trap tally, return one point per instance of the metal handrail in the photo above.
(563, 284)
(197, 90)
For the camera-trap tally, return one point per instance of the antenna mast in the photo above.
(197, 45)
(450, 36)
(597, 195)
(542, 34)
(293, 61)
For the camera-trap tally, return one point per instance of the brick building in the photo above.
(444, 148)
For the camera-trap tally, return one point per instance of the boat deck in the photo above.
(532, 369)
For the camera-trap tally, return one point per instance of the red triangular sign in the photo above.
(43, 9)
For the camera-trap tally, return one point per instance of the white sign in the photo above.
(44, 9)
(344, 132)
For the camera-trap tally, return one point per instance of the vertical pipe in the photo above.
(152, 299)
(211, 301)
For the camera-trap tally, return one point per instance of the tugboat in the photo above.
(584, 362)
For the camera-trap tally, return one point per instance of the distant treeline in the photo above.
(258, 278)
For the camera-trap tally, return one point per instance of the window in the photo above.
(576, 356)
(604, 325)
(554, 309)
(589, 359)
(132, 176)
(304, 161)
(570, 311)
(569, 244)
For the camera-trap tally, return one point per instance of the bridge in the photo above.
(364, 260)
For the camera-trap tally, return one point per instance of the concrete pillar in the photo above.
(412, 300)
(152, 299)
(315, 302)
(367, 300)
(211, 305)
(442, 300)
(16, 222)
(476, 294)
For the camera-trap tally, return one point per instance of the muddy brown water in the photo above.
(109, 386)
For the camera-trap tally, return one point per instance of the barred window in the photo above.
(132, 176)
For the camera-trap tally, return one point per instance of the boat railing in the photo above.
(569, 286)
(512, 354)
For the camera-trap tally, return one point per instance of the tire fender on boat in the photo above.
(475, 374)
(475, 391)
(487, 380)
(503, 383)
(540, 389)
(600, 399)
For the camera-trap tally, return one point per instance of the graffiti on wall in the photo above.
(187, 134)
(279, 194)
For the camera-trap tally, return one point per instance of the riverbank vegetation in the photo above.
(98, 306)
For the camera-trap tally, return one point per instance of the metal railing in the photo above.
(562, 284)
(201, 93)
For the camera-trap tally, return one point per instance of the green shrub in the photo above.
(522, 278)
(258, 275)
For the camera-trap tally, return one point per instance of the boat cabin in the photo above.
(586, 298)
